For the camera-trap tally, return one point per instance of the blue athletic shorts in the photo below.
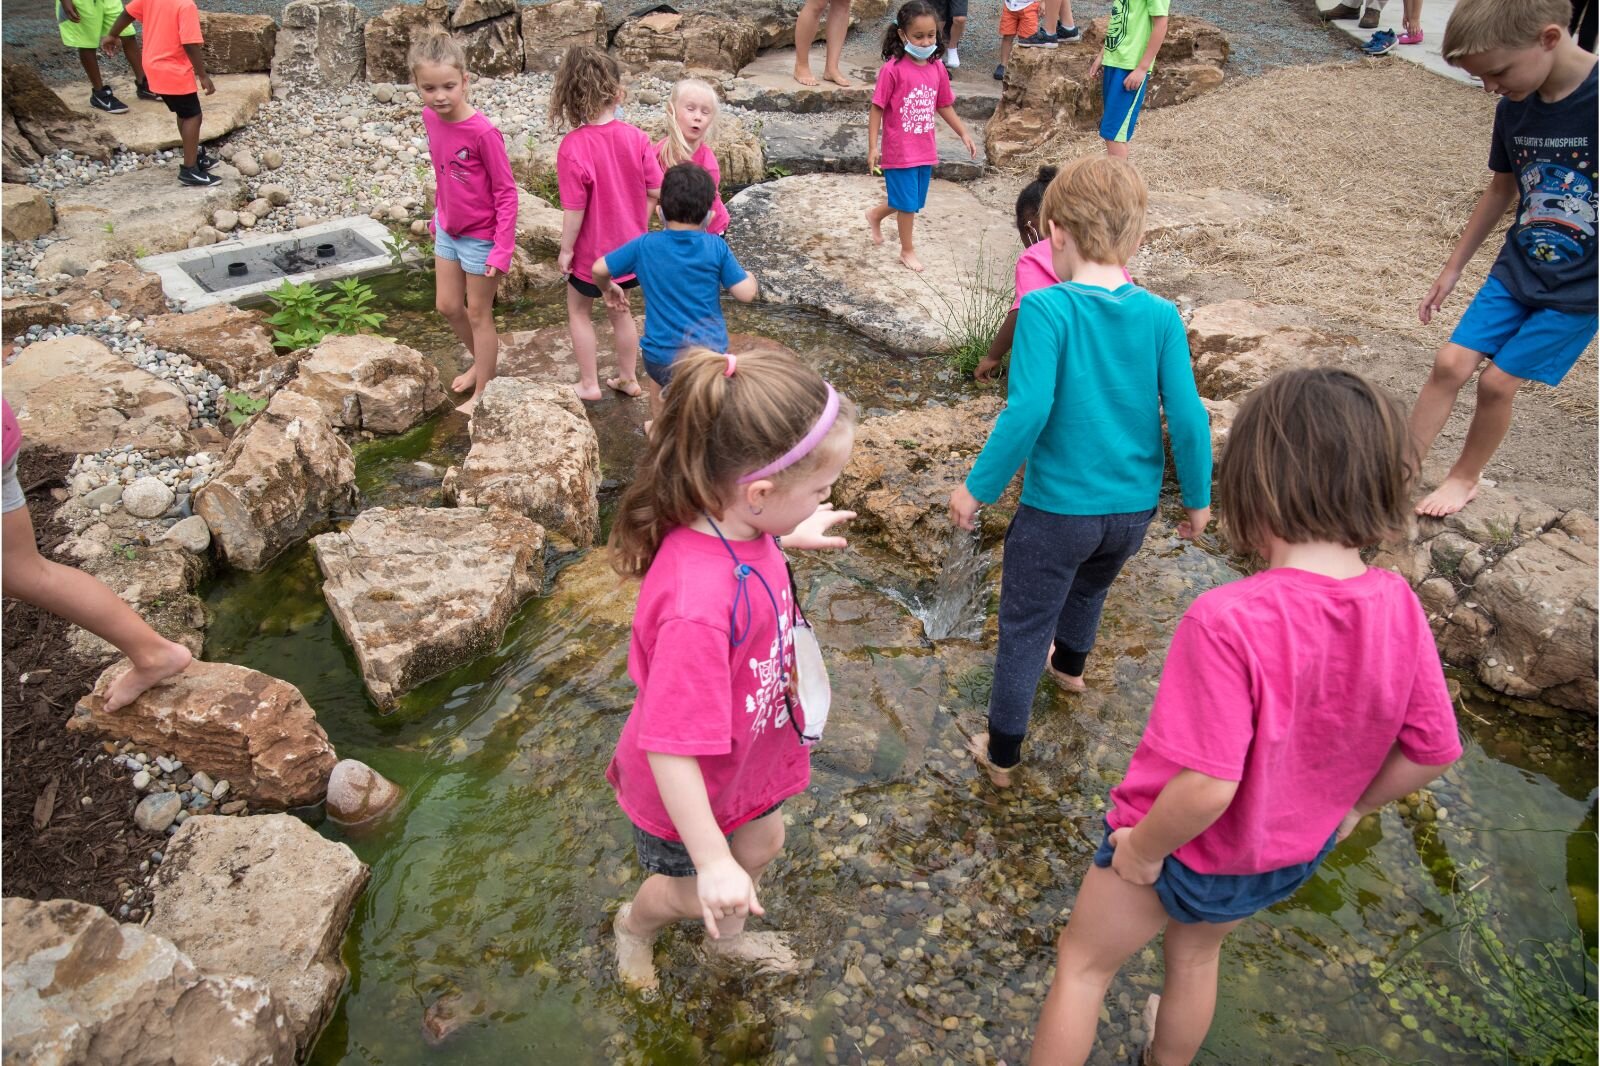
(1122, 107)
(1536, 343)
(660, 373)
(1189, 897)
(907, 187)
(471, 252)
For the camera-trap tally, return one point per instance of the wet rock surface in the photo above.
(358, 794)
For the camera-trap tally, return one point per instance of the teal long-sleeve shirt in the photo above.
(1092, 371)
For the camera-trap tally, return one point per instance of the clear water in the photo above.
(928, 901)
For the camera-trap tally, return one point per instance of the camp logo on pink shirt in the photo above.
(607, 172)
(910, 94)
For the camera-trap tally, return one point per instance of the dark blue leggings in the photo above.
(1053, 584)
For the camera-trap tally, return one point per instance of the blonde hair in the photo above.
(714, 427)
(587, 82)
(438, 49)
(1100, 201)
(675, 149)
(1478, 26)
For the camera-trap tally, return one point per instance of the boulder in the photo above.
(319, 46)
(533, 452)
(1181, 213)
(148, 127)
(156, 581)
(285, 472)
(740, 154)
(494, 47)
(1221, 413)
(538, 225)
(1237, 345)
(367, 382)
(387, 37)
(137, 213)
(773, 20)
(900, 474)
(548, 30)
(81, 988)
(191, 534)
(419, 591)
(27, 213)
(470, 12)
(696, 41)
(237, 44)
(88, 300)
(836, 142)
(266, 899)
(35, 123)
(232, 343)
(794, 235)
(357, 793)
(1047, 90)
(238, 725)
(73, 395)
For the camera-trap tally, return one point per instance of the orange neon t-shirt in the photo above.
(168, 25)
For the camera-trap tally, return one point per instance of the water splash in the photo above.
(956, 607)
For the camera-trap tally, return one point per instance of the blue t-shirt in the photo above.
(1092, 372)
(1548, 259)
(682, 273)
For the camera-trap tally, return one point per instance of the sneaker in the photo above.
(102, 99)
(1381, 44)
(1341, 11)
(1068, 34)
(1040, 39)
(1411, 38)
(196, 176)
(204, 162)
(1000, 72)
(952, 58)
(141, 89)
(1369, 18)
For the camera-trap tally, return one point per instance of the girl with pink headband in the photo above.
(732, 688)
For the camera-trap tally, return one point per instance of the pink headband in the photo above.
(830, 413)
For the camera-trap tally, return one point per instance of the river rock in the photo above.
(138, 212)
(149, 127)
(191, 534)
(286, 471)
(73, 395)
(265, 898)
(82, 989)
(590, 592)
(533, 452)
(157, 811)
(538, 224)
(357, 793)
(367, 382)
(695, 40)
(147, 497)
(387, 37)
(27, 213)
(38, 123)
(548, 30)
(87, 300)
(319, 45)
(237, 44)
(255, 731)
(232, 343)
(419, 591)
(794, 234)
(1237, 345)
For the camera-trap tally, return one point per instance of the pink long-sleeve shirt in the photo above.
(476, 191)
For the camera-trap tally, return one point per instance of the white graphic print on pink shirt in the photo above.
(917, 110)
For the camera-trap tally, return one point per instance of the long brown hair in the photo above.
(587, 82)
(1316, 454)
(713, 428)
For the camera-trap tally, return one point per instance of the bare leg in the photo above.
(754, 845)
(91, 67)
(1117, 149)
(958, 27)
(625, 335)
(1049, 15)
(875, 217)
(130, 48)
(583, 343)
(1497, 391)
(660, 902)
(189, 133)
(1413, 16)
(1452, 368)
(1006, 44)
(1188, 991)
(485, 341)
(838, 28)
(450, 300)
(84, 601)
(908, 254)
(805, 33)
(654, 392)
(1064, 16)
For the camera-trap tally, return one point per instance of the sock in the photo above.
(1069, 662)
(1005, 749)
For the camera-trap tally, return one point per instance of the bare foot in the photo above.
(647, 424)
(911, 261)
(764, 952)
(1066, 681)
(1454, 494)
(875, 224)
(837, 78)
(1151, 1007)
(468, 407)
(629, 387)
(465, 380)
(804, 76)
(979, 747)
(590, 392)
(636, 962)
(172, 659)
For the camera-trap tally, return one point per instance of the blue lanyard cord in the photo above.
(741, 598)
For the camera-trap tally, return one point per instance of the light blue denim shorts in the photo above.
(12, 496)
(471, 252)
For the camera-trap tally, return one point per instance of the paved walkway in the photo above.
(1435, 13)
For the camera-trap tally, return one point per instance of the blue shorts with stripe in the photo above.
(1122, 106)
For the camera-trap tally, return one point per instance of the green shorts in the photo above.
(94, 22)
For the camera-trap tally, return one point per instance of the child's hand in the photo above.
(1094, 68)
(872, 161)
(492, 272)
(1438, 293)
(1195, 524)
(988, 369)
(963, 508)
(812, 534)
(110, 46)
(616, 297)
(966, 142)
(71, 12)
(205, 83)
(725, 891)
(564, 260)
(1128, 864)
(1134, 79)
(1347, 825)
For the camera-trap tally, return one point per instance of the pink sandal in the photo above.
(1410, 38)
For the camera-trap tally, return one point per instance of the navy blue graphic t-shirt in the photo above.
(1549, 256)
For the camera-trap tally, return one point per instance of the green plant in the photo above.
(140, 251)
(974, 313)
(241, 405)
(300, 317)
(351, 309)
(400, 245)
(546, 187)
(126, 552)
(775, 171)
(109, 227)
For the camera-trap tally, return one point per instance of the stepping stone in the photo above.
(149, 126)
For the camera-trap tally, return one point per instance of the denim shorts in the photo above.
(471, 252)
(670, 858)
(1190, 897)
(12, 497)
(1536, 343)
(660, 373)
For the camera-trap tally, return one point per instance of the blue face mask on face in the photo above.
(920, 51)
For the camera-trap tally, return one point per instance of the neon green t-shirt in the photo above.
(1128, 32)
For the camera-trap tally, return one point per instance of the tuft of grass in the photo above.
(546, 188)
(975, 311)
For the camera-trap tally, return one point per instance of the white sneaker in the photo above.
(952, 59)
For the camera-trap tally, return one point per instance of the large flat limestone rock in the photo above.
(149, 126)
(142, 212)
(74, 395)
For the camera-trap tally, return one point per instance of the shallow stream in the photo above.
(928, 900)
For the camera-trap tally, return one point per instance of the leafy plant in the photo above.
(399, 246)
(775, 171)
(300, 317)
(546, 187)
(974, 313)
(241, 405)
(126, 552)
(109, 227)
(351, 309)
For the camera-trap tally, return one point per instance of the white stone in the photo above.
(148, 497)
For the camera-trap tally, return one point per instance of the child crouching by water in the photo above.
(731, 687)
(1292, 704)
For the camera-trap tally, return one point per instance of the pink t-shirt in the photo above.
(607, 172)
(1036, 269)
(699, 694)
(10, 433)
(911, 94)
(706, 159)
(476, 193)
(1296, 686)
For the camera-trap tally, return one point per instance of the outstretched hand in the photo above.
(616, 297)
(963, 508)
(812, 534)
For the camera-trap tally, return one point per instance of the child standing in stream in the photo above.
(913, 86)
(610, 179)
(691, 120)
(732, 690)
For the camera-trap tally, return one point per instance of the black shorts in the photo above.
(948, 10)
(592, 291)
(185, 106)
(669, 857)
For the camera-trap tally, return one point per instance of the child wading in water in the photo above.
(691, 118)
(475, 214)
(746, 450)
(609, 179)
(1292, 704)
(913, 86)
(1097, 363)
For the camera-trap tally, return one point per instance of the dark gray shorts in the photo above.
(670, 858)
